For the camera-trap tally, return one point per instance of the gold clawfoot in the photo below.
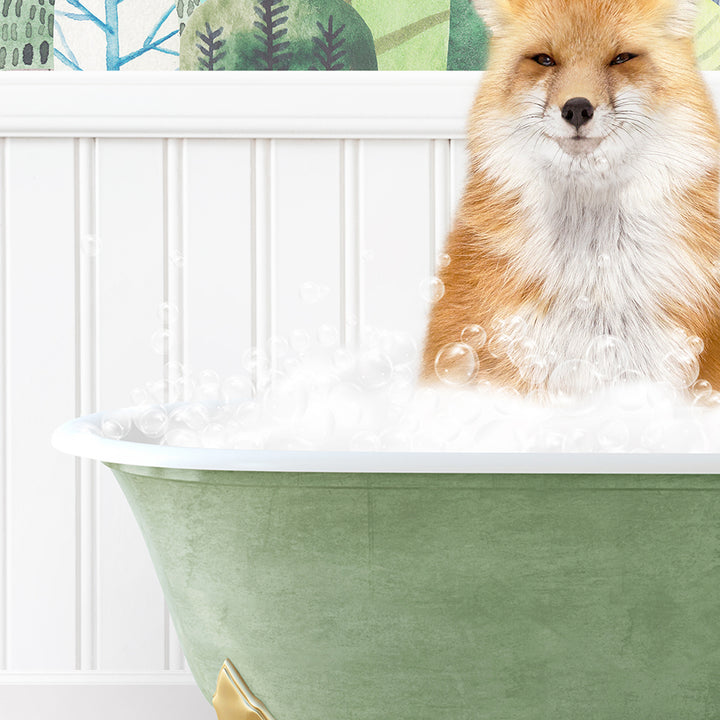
(233, 699)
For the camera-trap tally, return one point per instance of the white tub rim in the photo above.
(73, 438)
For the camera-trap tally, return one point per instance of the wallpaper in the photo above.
(214, 35)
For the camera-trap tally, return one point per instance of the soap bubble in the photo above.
(474, 336)
(534, 369)
(583, 302)
(90, 245)
(116, 425)
(312, 293)
(152, 421)
(160, 341)
(194, 416)
(344, 360)
(456, 364)
(399, 347)
(300, 341)
(140, 396)
(278, 347)
(254, 360)
(681, 368)
(443, 260)
(432, 289)
(179, 437)
(695, 344)
(499, 345)
(177, 259)
(571, 380)
(701, 390)
(167, 313)
(286, 400)
(613, 436)
(237, 389)
(375, 369)
(609, 355)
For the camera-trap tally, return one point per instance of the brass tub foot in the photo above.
(233, 699)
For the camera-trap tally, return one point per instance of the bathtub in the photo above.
(358, 586)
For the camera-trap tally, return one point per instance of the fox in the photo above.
(587, 239)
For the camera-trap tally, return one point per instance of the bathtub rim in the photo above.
(73, 438)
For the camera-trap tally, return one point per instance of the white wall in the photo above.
(102, 220)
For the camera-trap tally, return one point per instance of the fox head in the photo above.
(581, 88)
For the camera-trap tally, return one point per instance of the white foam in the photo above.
(320, 396)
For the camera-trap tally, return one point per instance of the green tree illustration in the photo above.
(211, 43)
(272, 54)
(328, 47)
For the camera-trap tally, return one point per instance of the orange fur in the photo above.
(492, 226)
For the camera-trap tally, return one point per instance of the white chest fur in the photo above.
(609, 261)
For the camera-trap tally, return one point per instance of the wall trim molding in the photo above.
(236, 105)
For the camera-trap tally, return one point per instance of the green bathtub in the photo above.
(343, 592)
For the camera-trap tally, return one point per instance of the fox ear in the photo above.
(493, 12)
(681, 18)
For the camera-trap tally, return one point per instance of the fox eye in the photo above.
(544, 60)
(622, 58)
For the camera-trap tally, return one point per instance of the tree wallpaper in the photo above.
(213, 35)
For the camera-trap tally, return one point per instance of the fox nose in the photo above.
(577, 111)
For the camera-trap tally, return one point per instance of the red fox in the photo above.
(588, 234)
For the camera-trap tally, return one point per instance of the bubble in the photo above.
(179, 437)
(443, 261)
(160, 341)
(367, 256)
(152, 421)
(534, 369)
(571, 380)
(159, 391)
(279, 347)
(213, 435)
(474, 336)
(456, 364)
(695, 344)
(432, 289)
(254, 360)
(375, 369)
(328, 336)
(90, 245)
(194, 416)
(140, 396)
(286, 400)
(515, 327)
(344, 360)
(300, 341)
(177, 259)
(583, 302)
(609, 355)
(633, 394)
(312, 293)
(167, 313)
(399, 347)
(603, 261)
(520, 349)
(613, 436)
(681, 368)
(237, 389)
(499, 345)
(116, 425)
(701, 390)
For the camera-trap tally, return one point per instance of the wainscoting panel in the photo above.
(126, 252)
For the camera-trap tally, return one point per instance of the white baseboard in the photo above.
(101, 696)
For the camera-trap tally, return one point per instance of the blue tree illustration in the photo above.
(110, 26)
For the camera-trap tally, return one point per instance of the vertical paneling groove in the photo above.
(4, 416)
(350, 253)
(359, 318)
(86, 364)
(173, 294)
(263, 184)
(440, 179)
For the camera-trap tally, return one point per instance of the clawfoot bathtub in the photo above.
(359, 586)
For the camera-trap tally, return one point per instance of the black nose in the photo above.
(577, 111)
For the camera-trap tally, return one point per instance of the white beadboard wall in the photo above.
(219, 194)
(223, 208)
